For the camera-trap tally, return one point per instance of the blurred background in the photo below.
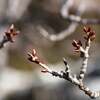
(45, 26)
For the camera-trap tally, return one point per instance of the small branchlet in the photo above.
(89, 37)
(9, 35)
(66, 74)
(34, 58)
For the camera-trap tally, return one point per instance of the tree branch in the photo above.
(66, 74)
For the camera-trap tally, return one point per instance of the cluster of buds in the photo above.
(33, 57)
(90, 34)
(11, 33)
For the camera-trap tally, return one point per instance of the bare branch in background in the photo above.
(60, 36)
(67, 75)
(9, 35)
(75, 20)
(80, 20)
(63, 34)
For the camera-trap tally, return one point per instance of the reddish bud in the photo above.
(34, 52)
(86, 29)
(33, 57)
(90, 34)
(77, 45)
(11, 33)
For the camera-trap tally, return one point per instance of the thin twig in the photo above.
(84, 21)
